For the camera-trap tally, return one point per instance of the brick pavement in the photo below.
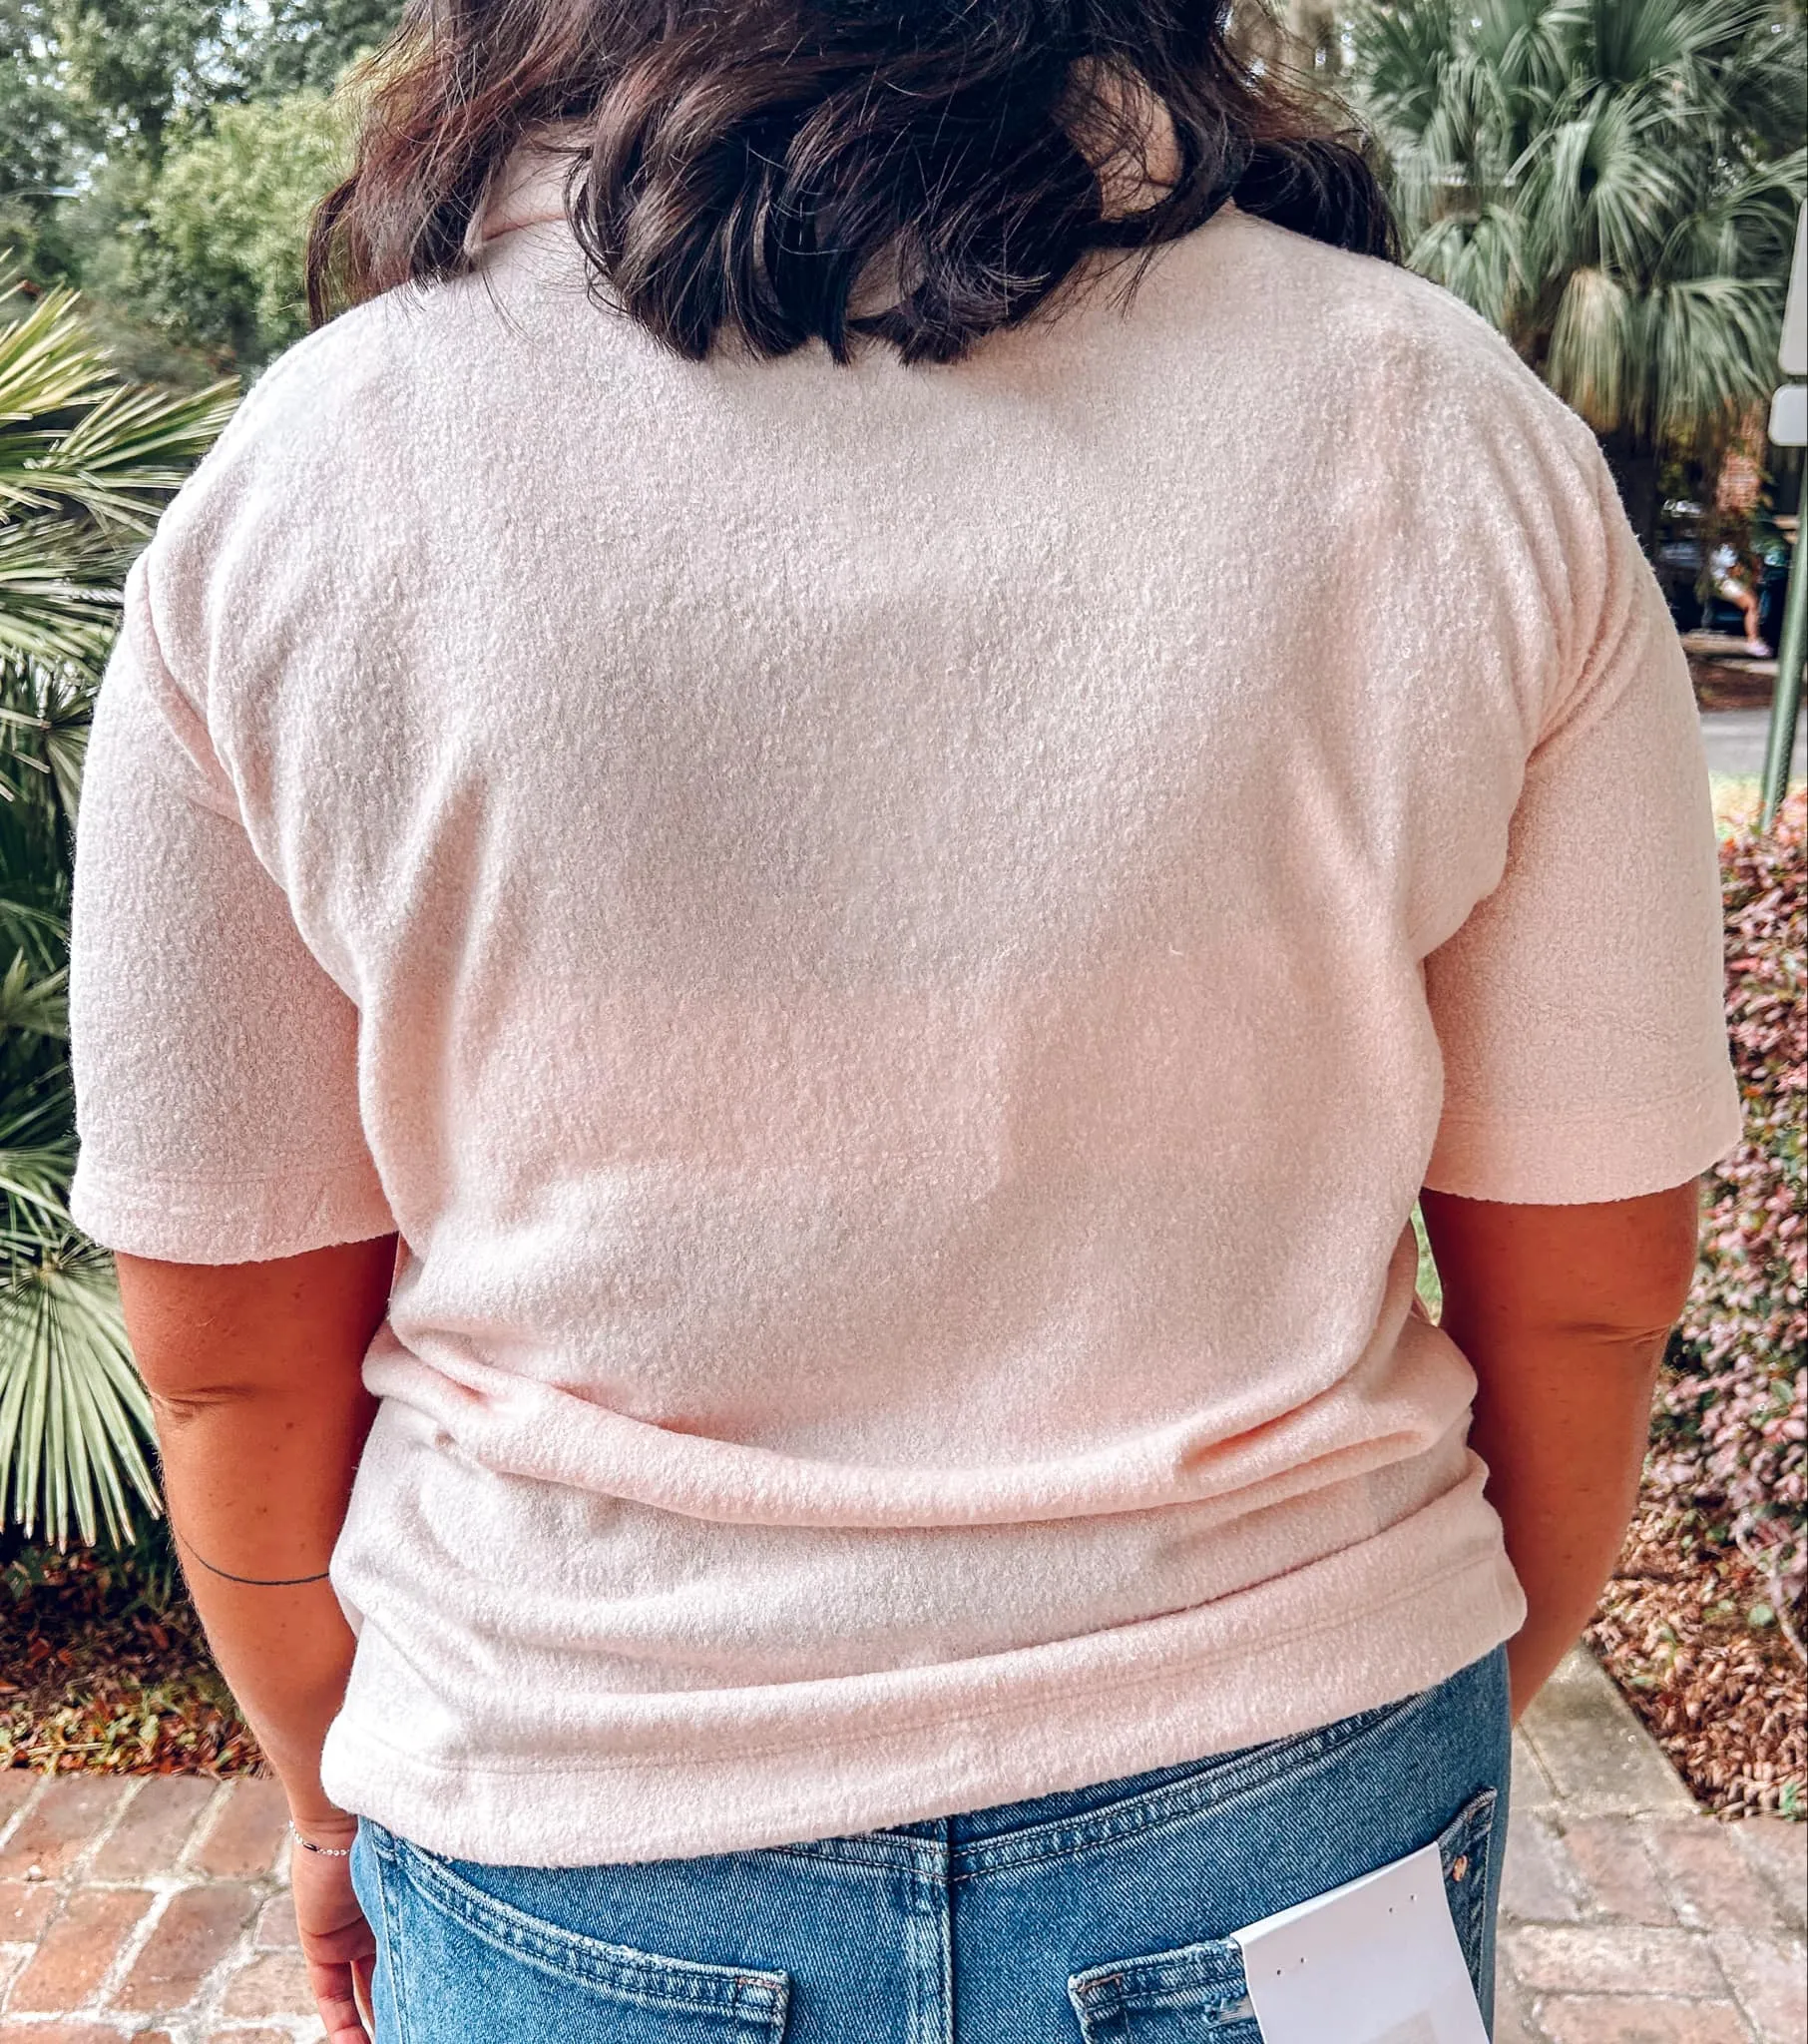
(1628, 1917)
(155, 1909)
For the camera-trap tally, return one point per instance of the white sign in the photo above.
(1374, 1962)
(1789, 415)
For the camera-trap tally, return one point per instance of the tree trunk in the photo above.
(1633, 462)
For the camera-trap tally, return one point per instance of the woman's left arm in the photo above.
(254, 1374)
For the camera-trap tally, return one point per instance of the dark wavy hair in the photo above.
(742, 171)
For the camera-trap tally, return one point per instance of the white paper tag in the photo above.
(1373, 1962)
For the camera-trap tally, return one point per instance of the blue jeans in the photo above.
(1098, 1913)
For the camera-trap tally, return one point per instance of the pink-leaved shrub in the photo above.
(1732, 1424)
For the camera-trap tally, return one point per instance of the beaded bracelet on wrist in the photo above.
(326, 1851)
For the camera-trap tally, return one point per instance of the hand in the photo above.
(336, 1942)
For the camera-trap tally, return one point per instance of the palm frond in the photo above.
(34, 1003)
(34, 883)
(1714, 344)
(1637, 188)
(48, 363)
(1476, 258)
(1598, 190)
(1402, 57)
(1530, 45)
(37, 1158)
(31, 927)
(45, 713)
(1592, 361)
(1742, 226)
(59, 600)
(1613, 184)
(129, 451)
(75, 1419)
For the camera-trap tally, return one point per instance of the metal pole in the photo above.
(1789, 428)
(1786, 704)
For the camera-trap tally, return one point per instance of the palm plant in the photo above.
(1614, 183)
(86, 460)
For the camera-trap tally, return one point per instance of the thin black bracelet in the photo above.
(256, 1582)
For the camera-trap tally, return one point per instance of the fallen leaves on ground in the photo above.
(97, 1677)
(1686, 1630)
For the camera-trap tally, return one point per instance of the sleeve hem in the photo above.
(1582, 1161)
(242, 1220)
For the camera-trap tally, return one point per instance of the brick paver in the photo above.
(155, 1910)
(1638, 2019)
(245, 1837)
(51, 1830)
(153, 1828)
(194, 1934)
(77, 1951)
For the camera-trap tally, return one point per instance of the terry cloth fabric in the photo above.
(898, 945)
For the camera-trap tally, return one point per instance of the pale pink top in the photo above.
(898, 944)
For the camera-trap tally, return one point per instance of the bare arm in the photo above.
(254, 1378)
(1564, 1312)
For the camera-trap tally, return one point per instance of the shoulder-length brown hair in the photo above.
(741, 171)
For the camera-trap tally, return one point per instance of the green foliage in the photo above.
(164, 155)
(86, 461)
(226, 225)
(140, 69)
(37, 146)
(312, 43)
(1614, 183)
(1430, 1284)
(131, 67)
(34, 114)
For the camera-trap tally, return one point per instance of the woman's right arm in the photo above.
(1564, 1314)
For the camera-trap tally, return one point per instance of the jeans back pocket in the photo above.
(1196, 1993)
(1200, 1993)
(467, 1964)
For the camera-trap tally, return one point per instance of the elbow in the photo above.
(179, 1405)
(1645, 1314)
(1635, 1321)
(1611, 1277)
(1637, 1345)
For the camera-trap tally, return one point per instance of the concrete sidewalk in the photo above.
(153, 1909)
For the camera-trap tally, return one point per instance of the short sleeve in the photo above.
(215, 1062)
(1579, 1009)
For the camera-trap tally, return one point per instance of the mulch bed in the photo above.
(1730, 681)
(100, 1677)
(1688, 1630)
